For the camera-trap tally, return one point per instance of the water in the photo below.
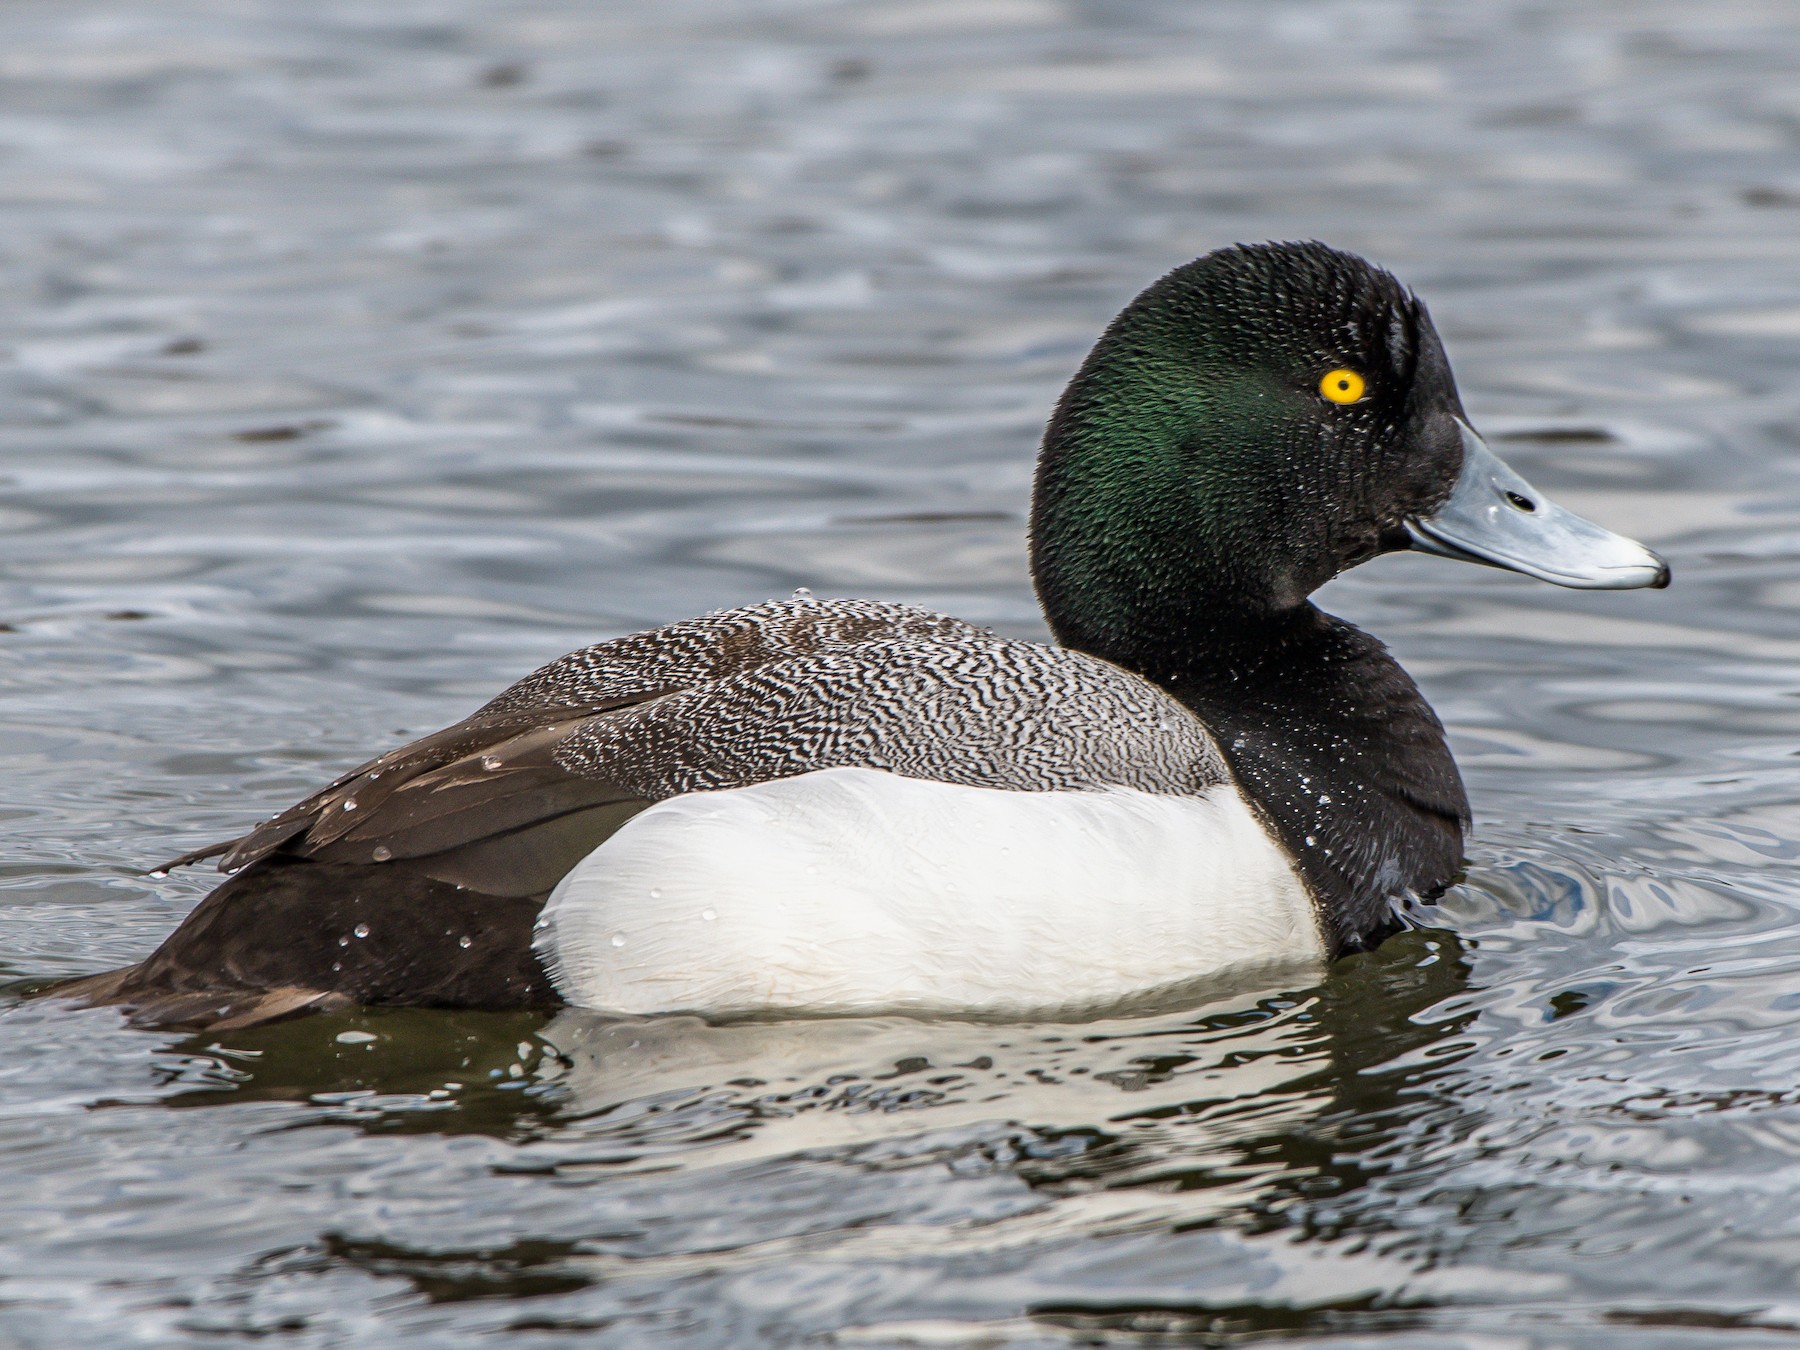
(358, 359)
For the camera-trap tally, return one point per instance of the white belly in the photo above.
(857, 891)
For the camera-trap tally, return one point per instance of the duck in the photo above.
(816, 806)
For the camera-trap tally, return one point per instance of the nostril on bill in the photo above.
(1520, 502)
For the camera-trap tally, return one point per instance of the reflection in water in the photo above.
(1258, 1116)
(741, 1092)
(359, 360)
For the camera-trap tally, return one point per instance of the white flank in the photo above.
(856, 891)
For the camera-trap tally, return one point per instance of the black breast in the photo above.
(1335, 745)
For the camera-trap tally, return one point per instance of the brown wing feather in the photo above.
(442, 775)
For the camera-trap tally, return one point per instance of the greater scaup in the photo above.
(840, 806)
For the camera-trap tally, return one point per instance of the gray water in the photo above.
(354, 359)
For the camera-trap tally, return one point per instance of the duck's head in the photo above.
(1255, 423)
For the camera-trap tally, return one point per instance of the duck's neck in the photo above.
(1337, 747)
(1327, 735)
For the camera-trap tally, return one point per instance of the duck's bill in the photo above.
(1495, 517)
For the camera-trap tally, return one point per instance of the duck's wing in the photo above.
(495, 803)
(504, 804)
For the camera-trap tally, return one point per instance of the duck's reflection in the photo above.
(1251, 1085)
(1251, 1116)
(1222, 1095)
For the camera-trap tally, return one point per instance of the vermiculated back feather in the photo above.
(972, 710)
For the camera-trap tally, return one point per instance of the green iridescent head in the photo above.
(1253, 424)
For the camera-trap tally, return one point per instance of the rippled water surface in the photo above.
(357, 358)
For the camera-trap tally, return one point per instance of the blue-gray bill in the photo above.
(1495, 517)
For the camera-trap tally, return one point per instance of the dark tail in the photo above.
(287, 937)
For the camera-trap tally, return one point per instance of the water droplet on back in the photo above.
(490, 762)
(382, 853)
(349, 803)
(361, 930)
(709, 914)
(465, 942)
(618, 939)
(802, 593)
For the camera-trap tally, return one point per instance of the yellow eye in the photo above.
(1343, 386)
